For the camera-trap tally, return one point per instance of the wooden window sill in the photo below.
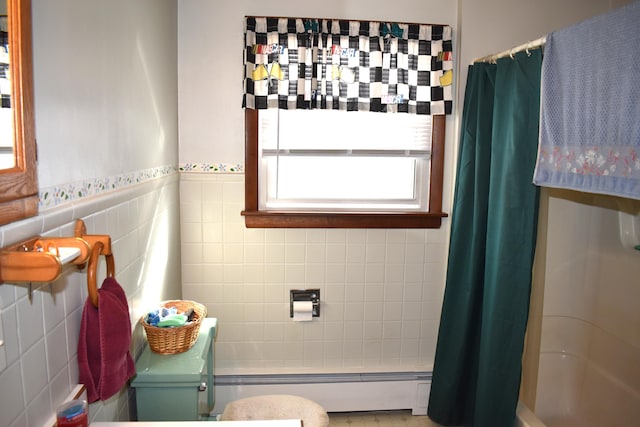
(261, 219)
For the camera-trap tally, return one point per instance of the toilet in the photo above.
(276, 407)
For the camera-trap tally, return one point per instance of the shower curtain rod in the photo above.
(510, 52)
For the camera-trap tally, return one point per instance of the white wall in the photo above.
(105, 87)
(381, 290)
(210, 45)
(106, 125)
(492, 26)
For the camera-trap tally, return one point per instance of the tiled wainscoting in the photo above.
(380, 289)
(40, 335)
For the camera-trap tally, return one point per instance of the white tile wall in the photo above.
(590, 348)
(381, 290)
(41, 334)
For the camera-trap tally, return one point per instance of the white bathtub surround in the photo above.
(589, 370)
(587, 375)
(526, 418)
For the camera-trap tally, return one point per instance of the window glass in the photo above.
(375, 162)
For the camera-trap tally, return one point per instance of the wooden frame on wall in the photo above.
(255, 218)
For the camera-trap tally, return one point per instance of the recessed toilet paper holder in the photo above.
(312, 295)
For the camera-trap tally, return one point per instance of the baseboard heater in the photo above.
(335, 392)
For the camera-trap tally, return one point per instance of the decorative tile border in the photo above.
(54, 196)
(212, 167)
(51, 197)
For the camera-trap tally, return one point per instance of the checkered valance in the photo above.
(296, 63)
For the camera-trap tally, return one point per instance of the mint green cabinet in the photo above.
(177, 387)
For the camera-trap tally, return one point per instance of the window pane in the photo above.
(343, 161)
(345, 183)
(360, 178)
(340, 130)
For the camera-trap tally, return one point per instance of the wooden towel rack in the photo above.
(40, 259)
(100, 245)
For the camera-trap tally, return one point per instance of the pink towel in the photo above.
(104, 359)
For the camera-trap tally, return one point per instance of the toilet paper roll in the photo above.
(302, 311)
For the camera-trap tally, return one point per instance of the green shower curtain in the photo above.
(477, 367)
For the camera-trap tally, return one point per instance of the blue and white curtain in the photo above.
(296, 63)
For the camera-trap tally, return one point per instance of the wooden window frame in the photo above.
(255, 218)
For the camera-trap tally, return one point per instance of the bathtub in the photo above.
(587, 377)
(526, 418)
(581, 367)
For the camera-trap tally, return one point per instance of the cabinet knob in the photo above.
(203, 386)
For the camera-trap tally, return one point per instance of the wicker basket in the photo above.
(178, 339)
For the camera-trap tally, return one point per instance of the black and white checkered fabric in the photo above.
(294, 63)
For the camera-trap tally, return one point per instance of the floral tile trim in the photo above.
(54, 196)
(212, 167)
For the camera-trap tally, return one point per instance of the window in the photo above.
(357, 161)
(272, 163)
(344, 122)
